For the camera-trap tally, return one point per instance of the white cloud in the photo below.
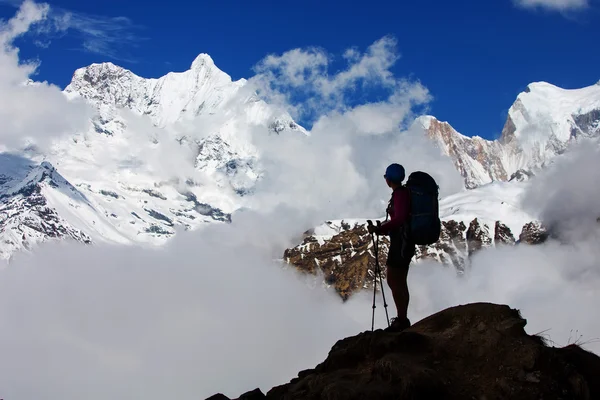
(554, 5)
(36, 111)
(300, 78)
(208, 313)
(106, 36)
(567, 194)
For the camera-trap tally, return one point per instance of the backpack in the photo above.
(424, 225)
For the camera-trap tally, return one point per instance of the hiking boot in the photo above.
(399, 324)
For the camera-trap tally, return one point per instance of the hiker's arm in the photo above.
(400, 215)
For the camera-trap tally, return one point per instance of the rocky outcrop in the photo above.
(533, 233)
(503, 234)
(346, 260)
(26, 218)
(451, 249)
(346, 257)
(478, 236)
(475, 158)
(473, 351)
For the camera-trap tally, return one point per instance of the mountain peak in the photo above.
(425, 121)
(202, 60)
(100, 67)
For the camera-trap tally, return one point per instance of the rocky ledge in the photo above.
(346, 258)
(474, 351)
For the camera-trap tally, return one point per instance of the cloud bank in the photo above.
(208, 313)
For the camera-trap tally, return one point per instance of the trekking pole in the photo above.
(377, 271)
(370, 223)
(381, 277)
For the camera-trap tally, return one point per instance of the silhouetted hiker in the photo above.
(401, 250)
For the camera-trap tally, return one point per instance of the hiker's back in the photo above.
(424, 225)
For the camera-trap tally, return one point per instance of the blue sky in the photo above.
(473, 56)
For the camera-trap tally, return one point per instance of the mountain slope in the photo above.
(541, 124)
(159, 154)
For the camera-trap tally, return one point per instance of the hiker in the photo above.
(401, 251)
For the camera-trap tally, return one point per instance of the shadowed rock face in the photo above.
(347, 258)
(478, 236)
(503, 234)
(533, 233)
(474, 351)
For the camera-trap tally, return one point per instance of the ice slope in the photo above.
(497, 201)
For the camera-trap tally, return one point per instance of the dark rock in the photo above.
(587, 124)
(256, 394)
(478, 236)
(533, 233)
(218, 396)
(521, 176)
(154, 193)
(450, 249)
(474, 351)
(156, 215)
(207, 209)
(108, 193)
(156, 229)
(503, 234)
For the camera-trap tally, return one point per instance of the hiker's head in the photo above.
(394, 175)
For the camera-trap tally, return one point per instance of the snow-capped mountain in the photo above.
(159, 154)
(541, 124)
(203, 89)
(178, 152)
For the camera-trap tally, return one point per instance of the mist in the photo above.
(209, 312)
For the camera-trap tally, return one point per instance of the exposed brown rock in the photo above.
(347, 260)
(533, 233)
(478, 236)
(461, 148)
(503, 234)
(451, 249)
(474, 351)
(508, 132)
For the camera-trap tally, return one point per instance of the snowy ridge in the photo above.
(498, 201)
(26, 216)
(541, 124)
(201, 90)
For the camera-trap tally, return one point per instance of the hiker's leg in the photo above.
(397, 280)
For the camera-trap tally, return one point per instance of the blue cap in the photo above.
(395, 173)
